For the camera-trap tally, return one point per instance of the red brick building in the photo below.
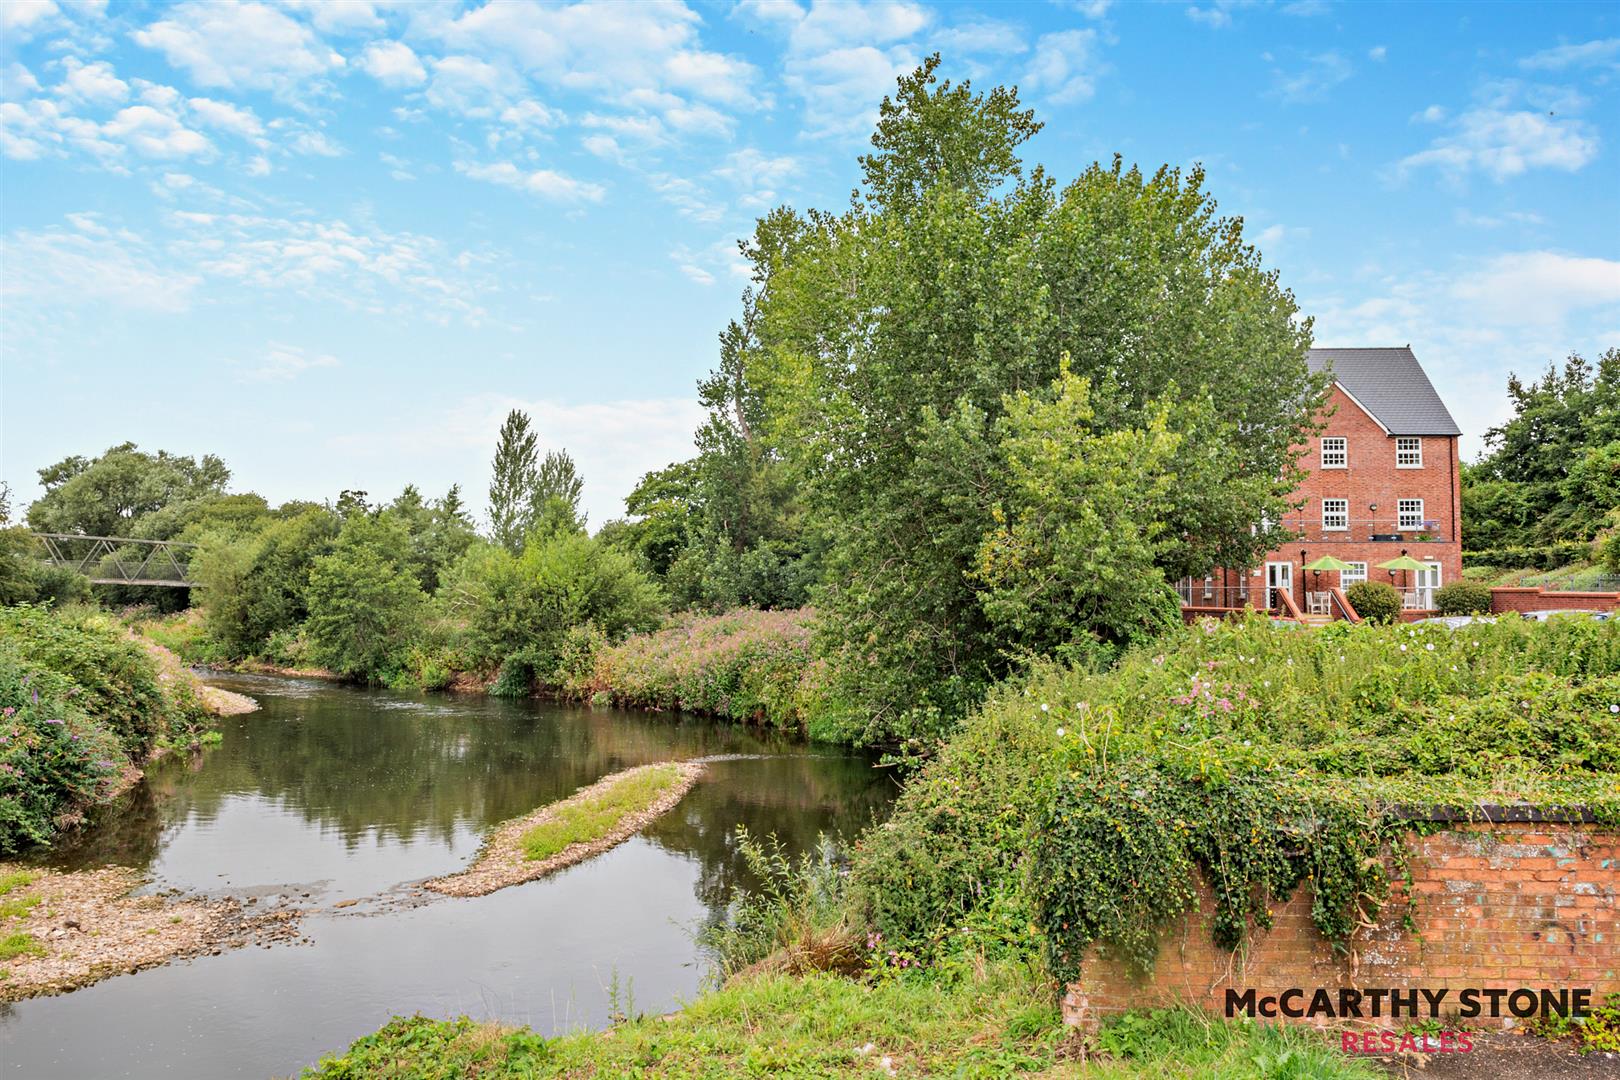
(1382, 479)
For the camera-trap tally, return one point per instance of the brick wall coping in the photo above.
(1494, 813)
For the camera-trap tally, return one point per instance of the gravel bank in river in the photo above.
(502, 861)
(68, 930)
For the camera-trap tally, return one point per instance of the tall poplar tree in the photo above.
(512, 482)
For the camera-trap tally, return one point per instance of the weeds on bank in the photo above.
(19, 944)
(593, 818)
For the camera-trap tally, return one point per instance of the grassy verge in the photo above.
(749, 666)
(593, 818)
(1000, 1021)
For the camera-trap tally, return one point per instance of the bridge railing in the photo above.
(120, 560)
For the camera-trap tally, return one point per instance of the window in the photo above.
(1357, 572)
(1409, 514)
(1335, 452)
(1335, 515)
(1409, 453)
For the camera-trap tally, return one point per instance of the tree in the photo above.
(257, 584)
(364, 603)
(554, 500)
(952, 281)
(512, 483)
(109, 495)
(1552, 471)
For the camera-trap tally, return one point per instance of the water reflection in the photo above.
(347, 793)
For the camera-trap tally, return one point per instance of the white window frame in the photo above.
(1403, 516)
(1408, 456)
(1341, 513)
(1348, 578)
(1340, 458)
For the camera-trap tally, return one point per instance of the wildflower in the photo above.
(1430, 646)
(1060, 733)
(1044, 707)
(1614, 708)
(1403, 648)
(54, 720)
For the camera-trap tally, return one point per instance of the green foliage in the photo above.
(1545, 557)
(751, 666)
(1225, 1049)
(961, 829)
(1375, 601)
(53, 759)
(1600, 1032)
(594, 817)
(19, 943)
(112, 677)
(1462, 598)
(512, 481)
(519, 609)
(365, 605)
(1609, 550)
(1552, 472)
(1260, 760)
(795, 909)
(110, 494)
(878, 355)
(256, 586)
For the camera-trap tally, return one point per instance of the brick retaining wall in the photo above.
(1508, 905)
(1519, 598)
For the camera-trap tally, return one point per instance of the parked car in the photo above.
(1456, 622)
(1543, 616)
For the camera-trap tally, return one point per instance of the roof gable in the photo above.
(1391, 386)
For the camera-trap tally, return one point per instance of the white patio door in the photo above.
(1279, 578)
(1424, 582)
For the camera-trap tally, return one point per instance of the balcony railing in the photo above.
(1381, 529)
(1195, 593)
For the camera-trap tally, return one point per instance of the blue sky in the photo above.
(335, 243)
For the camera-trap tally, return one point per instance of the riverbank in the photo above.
(587, 823)
(63, 931)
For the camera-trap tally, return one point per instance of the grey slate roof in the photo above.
(1390, 384)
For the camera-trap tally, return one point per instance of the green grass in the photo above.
(593, 818)
(16, 879)
(1001, 1022)
(19, 944)
(16, 909)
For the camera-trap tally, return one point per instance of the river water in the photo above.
(349, 794)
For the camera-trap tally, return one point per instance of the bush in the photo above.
(752, 666)
(1609, 552)
(115, 680)
(1546, 557)
(1375, 601)
(53, 758)
(1462, 598)
(365, 606)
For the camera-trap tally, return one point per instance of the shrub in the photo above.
(794, 920)
(1547, 557)
(1375, 601)
(53, 758)
(752, 666)
(1462, 598)
(116, 681)
(365, 606)
(1609, 552)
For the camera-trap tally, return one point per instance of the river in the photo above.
(348, 794)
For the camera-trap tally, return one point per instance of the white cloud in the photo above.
(1378, 53)
(1064, 66)
(473, 87)
(94, 82)
(530, 115)
(1604, 51)
(240, 46)
(236, 119)
(1218, 14)
(17, 81)
(697, 274)
(1320, 75)
(283, 363)
(339, 16)
(1432, 115)
(542, 182)
(89, 266)
(314, 144)
(983, 36)
(1472, 326)
(841, 88)
(393, 63)
(1539, 287)
(835, 24)
(1504, 144)
(154, 133)
(22, 19)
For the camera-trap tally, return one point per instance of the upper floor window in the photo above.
(1408, 453)
(1335, 515)
(1409, 514)
(1335, 452)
